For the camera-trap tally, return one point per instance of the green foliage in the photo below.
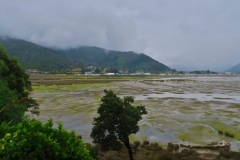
(12, 111)
(34, 140)
(112, 70)
(93, 56)
(15, 82)
(118, 119)
(93, 151)
(13, 73)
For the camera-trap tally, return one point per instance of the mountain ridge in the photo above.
(234, 69)
(34, 56)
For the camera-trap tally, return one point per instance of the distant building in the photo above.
(88, 73)
(140, 73)
(228, 73)
(110, 74)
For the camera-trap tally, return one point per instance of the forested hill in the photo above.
(33, 56)
(94, 56)
(234, 69)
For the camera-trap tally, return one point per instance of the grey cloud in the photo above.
(185, 34)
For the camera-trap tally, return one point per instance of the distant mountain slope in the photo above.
(122, 60)
(131, 60)
(90, 56)
(34, 56)
(234, 69)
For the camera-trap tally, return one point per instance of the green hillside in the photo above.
(90, 56)
(34, 56)
(234, 69)
(94, 56)
(130, 60)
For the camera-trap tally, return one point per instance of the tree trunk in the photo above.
(127, 144)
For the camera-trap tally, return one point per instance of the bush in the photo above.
(145, 142)
(164, 155)
(229, 134)
(34, 140)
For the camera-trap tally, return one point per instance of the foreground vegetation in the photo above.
(34, 140)
(153, 151)
(20, 137)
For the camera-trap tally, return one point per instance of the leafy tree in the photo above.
(13, 73)
(117, 120)
(97, 71)
(13, 76)
(34, 140)
(112, 70)
(12, 111)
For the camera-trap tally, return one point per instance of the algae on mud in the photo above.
(171, 117)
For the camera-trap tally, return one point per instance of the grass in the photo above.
(185, 109)
(63, 79)
(158, 93)
(53, 88)
(91, 110)
(178, 92)
(220, 126)
(208, 114)
(234, 106)
(171, 98)
(198, 134)
(198, 103)
(222, 98)
(200, 129)
(134, 137)
(144, 126)
(97, 98)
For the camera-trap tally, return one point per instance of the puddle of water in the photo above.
(197, 96)
(155, 135)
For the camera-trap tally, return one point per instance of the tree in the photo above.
(117, 120)
(97, 71)
(14, 74)
(13, 77)
(34, 140)
(112, 70)
(12, 111)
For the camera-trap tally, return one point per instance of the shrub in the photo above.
(145, 142)
(93, 150)
(34, 140)
(136, 143)
(164, 155)
(229, 134)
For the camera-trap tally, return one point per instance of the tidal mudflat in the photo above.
(191, 110)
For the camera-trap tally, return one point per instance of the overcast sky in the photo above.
(182, 34)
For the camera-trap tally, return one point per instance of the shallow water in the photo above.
(197, 96)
